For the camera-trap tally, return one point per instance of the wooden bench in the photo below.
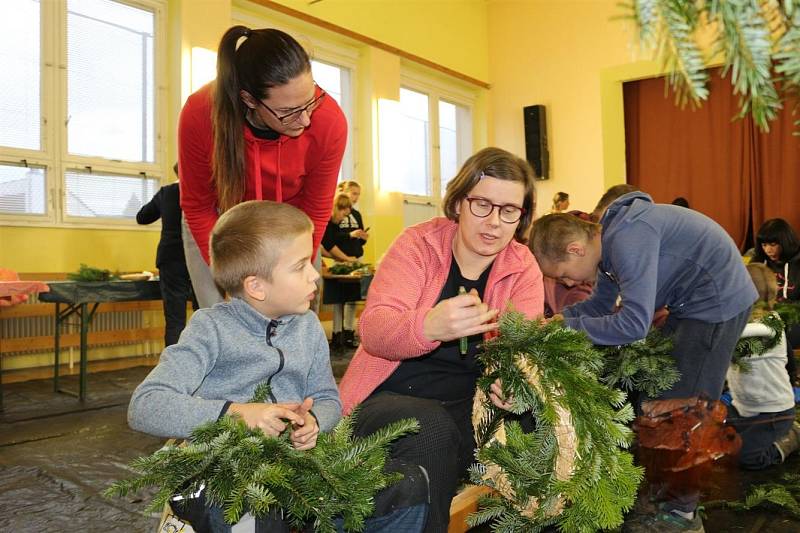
(464, 504)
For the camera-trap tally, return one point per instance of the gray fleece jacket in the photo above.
(222, 355)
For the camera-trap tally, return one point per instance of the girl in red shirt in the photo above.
(262, 130)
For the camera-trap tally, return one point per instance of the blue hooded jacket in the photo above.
(657, 255)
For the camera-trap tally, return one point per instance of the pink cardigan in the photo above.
(407, 286)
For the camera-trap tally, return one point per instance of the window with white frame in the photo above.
(437, 139)
(455, 140)
(78, 144)
(335, 80)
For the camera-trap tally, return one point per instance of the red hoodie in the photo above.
(301, 171)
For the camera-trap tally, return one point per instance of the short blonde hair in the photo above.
(342, 201)
(248, 238)
(551, 234)
(346, 185)
(496, 163)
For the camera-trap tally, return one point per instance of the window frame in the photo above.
(437, 89)
(53, 154)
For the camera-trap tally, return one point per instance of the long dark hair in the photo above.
(266, 58)
(776, 230)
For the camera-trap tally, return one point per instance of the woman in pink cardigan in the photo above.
(409, 363)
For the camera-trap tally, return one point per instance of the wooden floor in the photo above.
(57, 455)
(46, 372)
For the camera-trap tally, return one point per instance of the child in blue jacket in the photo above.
(642, 257)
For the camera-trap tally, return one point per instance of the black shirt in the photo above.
(442, 374)
(332, 236)
(349, 245)
(166, 206)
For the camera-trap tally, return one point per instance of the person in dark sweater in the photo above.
(176, 286)
(778, 247)
(353, 235)
(338, 294)
(352, 238)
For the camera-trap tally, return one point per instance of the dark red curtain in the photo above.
(724, 166)
(776, 188)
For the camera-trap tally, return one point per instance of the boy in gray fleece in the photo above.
(261, 257)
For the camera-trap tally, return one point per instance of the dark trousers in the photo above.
(444, 445)
(702, 353)
(176, 290)
(399, 508)
(758, 434)
(793, 340)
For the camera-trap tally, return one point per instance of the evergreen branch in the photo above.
(789, 313)
(752, 37)
(244, 470)
(261, 394)
(679, 53)
(646, 366)
(554, 373)
(749, 347)
(746, 43)
(787, 53)
(784, 495)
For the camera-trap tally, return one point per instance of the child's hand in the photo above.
(271, 418)
(555, 318)
(305, 436)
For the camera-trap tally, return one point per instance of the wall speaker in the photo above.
(536, 140)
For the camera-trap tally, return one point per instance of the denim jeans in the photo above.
(702, 353)
(758, 434)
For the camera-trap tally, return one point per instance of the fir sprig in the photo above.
(242, 470)
(603, 480)
(645, 366)
(346, 268)
(788, 311)
(749, 37)
(87, 273)
(783, 495)
(749, 347)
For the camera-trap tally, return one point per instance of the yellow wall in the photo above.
(64, 249)
(452, 33)
(569, 56)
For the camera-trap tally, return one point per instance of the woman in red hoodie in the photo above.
(263, 130)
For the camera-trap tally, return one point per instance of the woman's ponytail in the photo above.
(228, 121)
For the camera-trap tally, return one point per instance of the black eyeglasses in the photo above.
(482, 208)
(295, 115)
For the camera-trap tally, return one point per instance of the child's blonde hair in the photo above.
(551, 234)
(342, 202)
(766, 286)
(346, 185)
(248, 238)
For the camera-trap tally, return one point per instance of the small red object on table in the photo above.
(16, 292)
(13, 292)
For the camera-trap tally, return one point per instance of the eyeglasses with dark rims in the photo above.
(482, 208)
(294, 115)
